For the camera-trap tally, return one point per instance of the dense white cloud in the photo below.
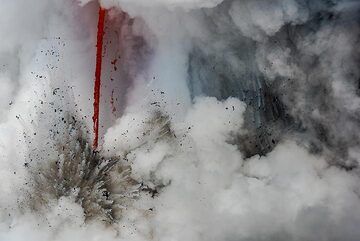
(182, 147)
(260, 18)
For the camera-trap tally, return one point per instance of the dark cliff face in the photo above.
(300, 79)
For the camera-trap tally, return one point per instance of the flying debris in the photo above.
(103, 187)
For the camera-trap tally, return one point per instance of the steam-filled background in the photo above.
(221, 120)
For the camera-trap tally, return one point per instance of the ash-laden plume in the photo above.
(295, 63)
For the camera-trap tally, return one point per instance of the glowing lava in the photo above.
(99, 45)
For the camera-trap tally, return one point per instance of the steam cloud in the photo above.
(220, 120)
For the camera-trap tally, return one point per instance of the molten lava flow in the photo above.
(99, 44)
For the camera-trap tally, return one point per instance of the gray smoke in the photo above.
(294, 63)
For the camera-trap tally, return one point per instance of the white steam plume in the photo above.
(221, 120)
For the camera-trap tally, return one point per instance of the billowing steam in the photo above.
(231, 120)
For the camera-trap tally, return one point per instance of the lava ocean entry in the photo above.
(173, 120)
